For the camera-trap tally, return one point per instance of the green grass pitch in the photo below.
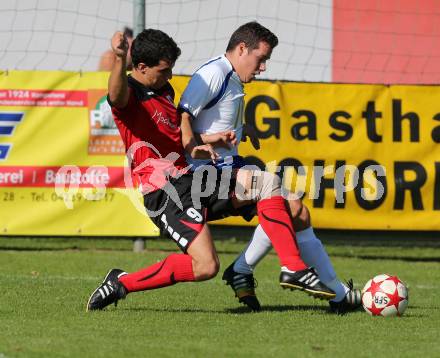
(45, 284)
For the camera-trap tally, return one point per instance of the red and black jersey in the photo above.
(151, 117)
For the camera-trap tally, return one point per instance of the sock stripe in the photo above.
(279, 222)
(154, 273)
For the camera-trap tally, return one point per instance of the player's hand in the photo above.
(205, 151)
(225, 139)
(120, 44)
(249, 131)
(229, 138)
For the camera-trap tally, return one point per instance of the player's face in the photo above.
(253, 62)
(157, 76)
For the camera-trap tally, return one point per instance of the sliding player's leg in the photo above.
(188, 229)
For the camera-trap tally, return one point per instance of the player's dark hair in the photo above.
(252, 33)
(151, 46)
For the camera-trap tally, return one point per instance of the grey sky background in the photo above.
(71, 35)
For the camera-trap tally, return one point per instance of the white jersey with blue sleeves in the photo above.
(214, 99)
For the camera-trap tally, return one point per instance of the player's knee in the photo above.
(254, 185)
(209, 271)
(296, 208)
(206, 270)
(270, 185)
(300, 214)
(212, 269)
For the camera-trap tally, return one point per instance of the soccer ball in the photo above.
(385, 295)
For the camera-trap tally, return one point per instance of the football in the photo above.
(385, 295)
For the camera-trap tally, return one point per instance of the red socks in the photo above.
(175, 268)
(276, 221)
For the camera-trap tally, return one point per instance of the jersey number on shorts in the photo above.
(194, 214)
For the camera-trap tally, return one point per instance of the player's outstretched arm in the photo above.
(117, 83)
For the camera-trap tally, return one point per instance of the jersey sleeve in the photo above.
(124, 114)
(203, 88)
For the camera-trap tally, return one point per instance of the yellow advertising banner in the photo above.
(49, 120)
(360, 156)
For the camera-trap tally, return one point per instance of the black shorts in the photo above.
(183, 219)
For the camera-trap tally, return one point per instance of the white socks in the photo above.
(258, 247)
(312, 253)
